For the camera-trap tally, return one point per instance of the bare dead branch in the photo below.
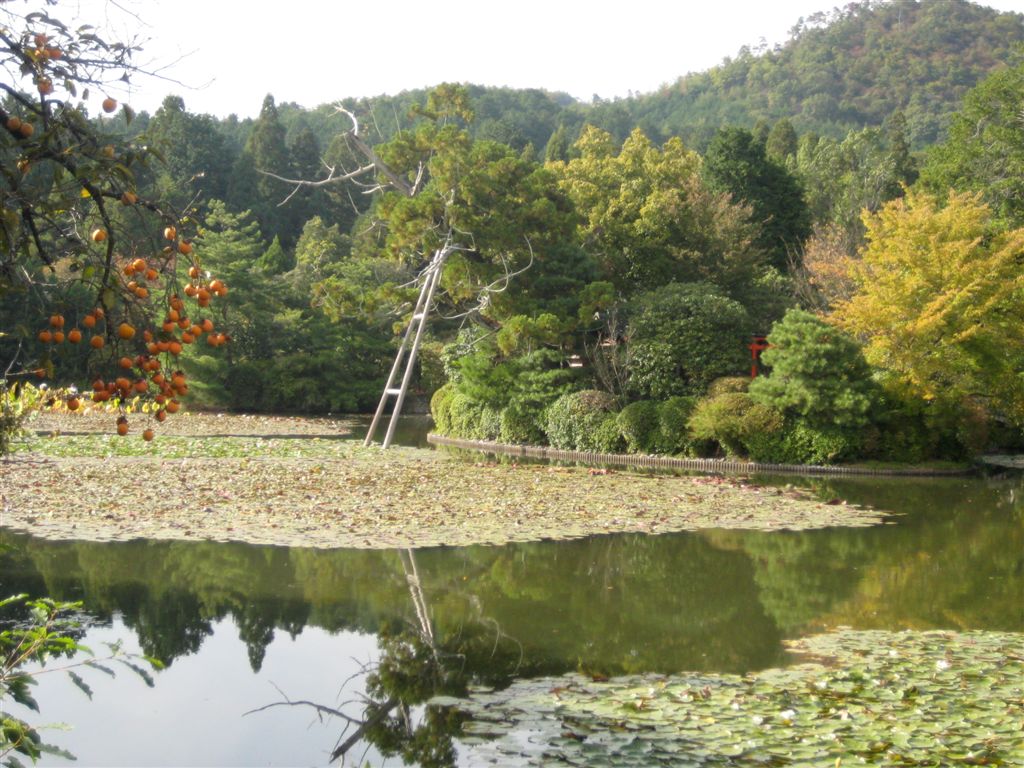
(500, 285)
(320, 708)
(373, 164)
(330, 179)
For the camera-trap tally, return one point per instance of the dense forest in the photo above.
(853, 193)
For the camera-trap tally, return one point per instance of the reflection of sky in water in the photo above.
(201, 698)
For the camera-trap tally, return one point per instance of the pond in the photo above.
(241, 627)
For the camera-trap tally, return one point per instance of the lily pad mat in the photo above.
(335, 493)
(874, 698)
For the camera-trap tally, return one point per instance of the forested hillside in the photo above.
(838, 71)
(847, 69)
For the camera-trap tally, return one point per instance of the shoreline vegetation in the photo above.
(712, 465)
(332, 493)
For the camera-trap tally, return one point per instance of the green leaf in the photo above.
(144, 674)
(80, 683)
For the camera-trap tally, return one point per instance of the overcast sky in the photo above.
(228, 54)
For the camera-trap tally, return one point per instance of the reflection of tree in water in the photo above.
(609, 605)
(416, 665)
(167, 628)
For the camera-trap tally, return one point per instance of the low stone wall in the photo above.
(671, 462)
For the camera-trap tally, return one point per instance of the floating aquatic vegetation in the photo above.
(860, 698)
(335, 493)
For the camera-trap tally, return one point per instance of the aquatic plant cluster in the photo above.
(863, 697)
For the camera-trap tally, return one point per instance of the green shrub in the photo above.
(608, 437)
(638, 424)
(464, 416)
(682, 337)
(572, 420)
(804, 444)
(736, 424)
(673, 434)
(488, 425)
(309, 383)
(441, 408)
(207, 389)
(727, 384)
(469, 419)
(519, 426)
(719, 421)
(770, 446)
(764, 431)
(244, 384)
(903, 434)
(914, 430)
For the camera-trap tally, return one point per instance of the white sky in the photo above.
(228, 54)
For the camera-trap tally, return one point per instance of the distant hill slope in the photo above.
(844, 70)
(847, 69)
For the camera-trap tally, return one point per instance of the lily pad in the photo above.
(813, 714)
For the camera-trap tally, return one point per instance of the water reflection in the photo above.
(411, 431)
(445, 618)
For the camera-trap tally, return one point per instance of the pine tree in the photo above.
(251, 189)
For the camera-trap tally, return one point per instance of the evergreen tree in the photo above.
(305, 161)
(781, 144)
(736, 163)
(196, 158)
(557, 149)
(275, 260)
(904, 167)
(251, 189)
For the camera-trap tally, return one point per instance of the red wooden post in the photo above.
(758, 344)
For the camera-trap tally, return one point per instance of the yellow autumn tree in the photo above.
(940, 302)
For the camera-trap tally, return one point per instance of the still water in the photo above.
(242, 627)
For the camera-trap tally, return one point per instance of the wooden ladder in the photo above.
(432, 276)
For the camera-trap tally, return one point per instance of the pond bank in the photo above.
(694, 465)
(337, 494)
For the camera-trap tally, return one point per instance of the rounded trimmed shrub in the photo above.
(682, 336)
(464, 415)
(673, 434)
(244, 384)
(519, 425)
(608, 437)
(638, 424)
(805, 444)
(488, 425)
(572, 420)
(735, 423)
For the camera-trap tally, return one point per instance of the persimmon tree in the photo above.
(96, 280)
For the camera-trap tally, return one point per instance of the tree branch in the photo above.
(352, 740)
(374, 163)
